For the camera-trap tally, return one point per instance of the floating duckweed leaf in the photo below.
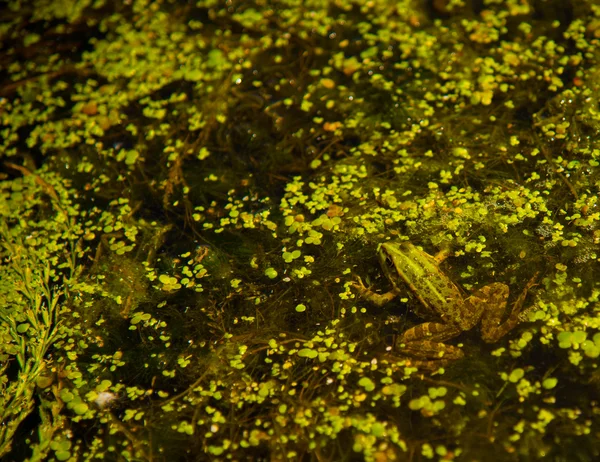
(165, 278)
(578, 337)
(271, 273)
(80, 408)
(139, 317)
(366, 383)
(394, 389)
(564, 339)
(288, 257)
(131, 157)
(62, 455)
(437, 392)
(568, 339)
(104, 385)
(418, 403)
(378, 429)
(203, 153)
(66, 395)
(308, 353)
(516, 375)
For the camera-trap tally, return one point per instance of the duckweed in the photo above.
(189, 192)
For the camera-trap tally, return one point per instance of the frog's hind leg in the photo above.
(433, 351)
(426, 341)
(432, 331)
(496, 296)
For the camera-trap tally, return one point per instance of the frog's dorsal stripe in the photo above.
(420, 271)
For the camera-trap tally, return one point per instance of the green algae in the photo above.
(189, 190)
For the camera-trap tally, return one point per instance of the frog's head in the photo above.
(392, 256)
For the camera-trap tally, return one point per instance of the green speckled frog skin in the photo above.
(441, 299)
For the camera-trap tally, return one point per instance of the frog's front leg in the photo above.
(492, 300)
(377, 299)
(426, 341)
(442, 255)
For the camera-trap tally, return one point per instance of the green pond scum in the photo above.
(191, 191)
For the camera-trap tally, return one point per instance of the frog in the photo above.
(446, 309)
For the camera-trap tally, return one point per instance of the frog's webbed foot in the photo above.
(359, 285)
(496, 296)
(377, 299)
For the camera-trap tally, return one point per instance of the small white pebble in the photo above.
(104, 398)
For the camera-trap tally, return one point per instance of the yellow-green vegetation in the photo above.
(190, 190)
